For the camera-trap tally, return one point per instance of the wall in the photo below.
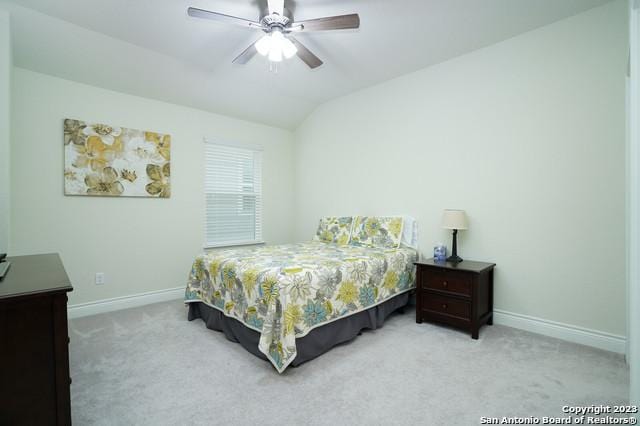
(140, 244)
(528, 136)
(5, 134)
(634, 201)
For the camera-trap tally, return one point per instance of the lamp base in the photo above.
(454, 259)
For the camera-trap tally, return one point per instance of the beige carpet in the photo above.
(150, 366)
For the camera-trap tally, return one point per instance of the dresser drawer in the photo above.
(446, 305)
(449, 281)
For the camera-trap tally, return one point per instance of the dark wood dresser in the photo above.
(459, 294)
(34, 352)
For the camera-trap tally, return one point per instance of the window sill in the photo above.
(240, 243)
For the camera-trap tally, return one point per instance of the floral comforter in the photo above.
(285, 291)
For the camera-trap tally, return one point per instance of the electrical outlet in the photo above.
(99, 278)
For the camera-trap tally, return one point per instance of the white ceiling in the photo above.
(152, 48)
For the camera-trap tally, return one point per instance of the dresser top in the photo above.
(465, 265)
(40, 273)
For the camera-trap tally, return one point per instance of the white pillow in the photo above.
(410, 232)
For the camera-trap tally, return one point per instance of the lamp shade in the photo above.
(454, 219)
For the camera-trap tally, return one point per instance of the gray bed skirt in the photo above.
(318, 341)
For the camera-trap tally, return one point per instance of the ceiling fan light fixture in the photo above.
(276, 46)
(277, 39)
(263, 46)
(275, 54)
(289, 49)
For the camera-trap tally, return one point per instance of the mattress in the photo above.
(283, 292)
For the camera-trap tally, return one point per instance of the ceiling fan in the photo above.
(279, 27)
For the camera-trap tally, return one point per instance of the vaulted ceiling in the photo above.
(152, 48)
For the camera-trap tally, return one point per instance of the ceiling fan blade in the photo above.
(305, 54)
(246, 56)
(194, 12)
(342, 22)
(276, 6)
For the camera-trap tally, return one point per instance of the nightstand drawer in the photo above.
(446, 305)
(449, 281)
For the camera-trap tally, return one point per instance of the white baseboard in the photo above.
(124, 302)
(571, 333)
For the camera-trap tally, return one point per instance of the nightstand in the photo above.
(459, 294)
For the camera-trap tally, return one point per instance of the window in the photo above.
(233, 191)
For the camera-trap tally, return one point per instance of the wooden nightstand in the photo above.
(460, 294)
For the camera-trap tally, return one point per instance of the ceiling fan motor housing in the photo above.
(273, 21)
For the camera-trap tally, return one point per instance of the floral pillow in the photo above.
(334, 230)
(377, 231)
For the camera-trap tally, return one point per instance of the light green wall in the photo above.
(528, 136)
(140, 244)
(5, 133)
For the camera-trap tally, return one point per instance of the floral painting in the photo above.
(104, 160)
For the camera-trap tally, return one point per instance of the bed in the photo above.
(290, 303)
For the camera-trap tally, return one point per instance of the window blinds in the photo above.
(233, 191)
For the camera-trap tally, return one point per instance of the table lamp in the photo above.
(455, 220)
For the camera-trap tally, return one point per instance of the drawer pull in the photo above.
(444, 284)
(444, 306)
